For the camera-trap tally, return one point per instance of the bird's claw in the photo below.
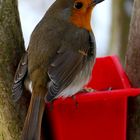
(88, 90)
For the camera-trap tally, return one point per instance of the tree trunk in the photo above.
(133, 71)
(119, 29)
(11, 49)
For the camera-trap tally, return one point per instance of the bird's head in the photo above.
(78, 12)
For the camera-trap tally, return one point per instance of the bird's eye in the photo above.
(78, 5)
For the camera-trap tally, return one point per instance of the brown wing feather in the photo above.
(62, 72)
(69, 61)
(21, 72)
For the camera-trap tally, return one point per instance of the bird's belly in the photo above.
(77, 84)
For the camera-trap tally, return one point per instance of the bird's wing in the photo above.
(63, 71)
(21, 72)
(92, 48)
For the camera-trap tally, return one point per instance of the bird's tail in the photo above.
(32, 125)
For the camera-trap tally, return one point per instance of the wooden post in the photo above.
(11, 49)
(133, 72)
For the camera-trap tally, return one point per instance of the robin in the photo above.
(58, 61)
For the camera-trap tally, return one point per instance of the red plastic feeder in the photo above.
(99, 115)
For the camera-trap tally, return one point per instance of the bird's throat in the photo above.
(82, 19)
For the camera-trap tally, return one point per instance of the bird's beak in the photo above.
(97, 1)
(94, 2)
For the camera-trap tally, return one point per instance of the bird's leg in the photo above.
(87, 89)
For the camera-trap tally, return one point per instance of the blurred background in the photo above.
(110, 23)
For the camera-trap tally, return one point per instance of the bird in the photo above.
(58, 61)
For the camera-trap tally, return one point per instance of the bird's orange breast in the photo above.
(81, 18)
